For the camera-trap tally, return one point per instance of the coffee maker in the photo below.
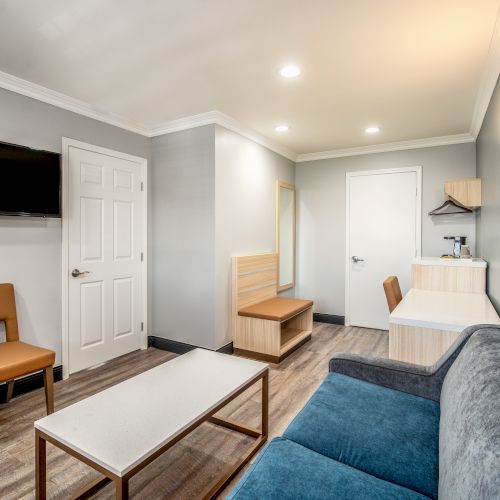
(460, 249)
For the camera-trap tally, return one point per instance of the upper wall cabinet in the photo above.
(285, 234)
(467, 192)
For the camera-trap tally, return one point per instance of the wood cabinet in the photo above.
(461, 275)
(467, 192)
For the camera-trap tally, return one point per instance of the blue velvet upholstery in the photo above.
(285, 470)
(361, 441)
(388, 434)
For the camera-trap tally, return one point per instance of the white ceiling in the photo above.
(413, 67)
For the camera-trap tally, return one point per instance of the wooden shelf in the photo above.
(290, 337)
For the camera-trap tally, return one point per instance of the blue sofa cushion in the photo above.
(285, 470)
(388, 434)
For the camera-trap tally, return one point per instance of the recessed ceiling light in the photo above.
(281, 128)
(372, 130)
(290, 71)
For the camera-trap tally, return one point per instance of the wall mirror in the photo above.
(285, 234)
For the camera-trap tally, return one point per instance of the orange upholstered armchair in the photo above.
(16, 357)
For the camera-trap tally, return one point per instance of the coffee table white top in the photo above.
(451, 311)
(120, 427)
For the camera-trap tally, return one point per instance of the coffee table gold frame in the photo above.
(122, 482)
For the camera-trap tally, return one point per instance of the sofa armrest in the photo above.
(423, 381)
(418, 380)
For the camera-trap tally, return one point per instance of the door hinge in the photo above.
(142, 326)
(142, 186)
(142, 257)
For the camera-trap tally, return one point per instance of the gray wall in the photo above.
(321, 214)
(183, 245)
(30, 249)
(213, 196)
(245, 219)
(488, 169)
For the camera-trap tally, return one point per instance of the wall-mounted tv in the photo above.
(30, 182)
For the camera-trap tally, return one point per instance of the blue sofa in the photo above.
(382, 429)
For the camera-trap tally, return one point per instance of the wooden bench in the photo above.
(266, 326)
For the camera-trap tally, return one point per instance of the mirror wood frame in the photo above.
(285, 185)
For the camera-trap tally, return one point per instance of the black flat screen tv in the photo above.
(30, 182)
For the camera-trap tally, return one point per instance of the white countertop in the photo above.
(438, 261)
(121, 426)
(450, 311)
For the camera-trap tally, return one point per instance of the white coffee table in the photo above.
(122, 429)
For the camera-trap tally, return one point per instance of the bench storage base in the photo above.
(269, 340)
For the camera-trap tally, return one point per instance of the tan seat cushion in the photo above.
(18, 359)
(276, 309)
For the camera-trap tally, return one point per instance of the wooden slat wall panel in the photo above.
(255, 296)
(255, 278)
(256, 263)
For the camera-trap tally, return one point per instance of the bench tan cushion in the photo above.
(276, 309)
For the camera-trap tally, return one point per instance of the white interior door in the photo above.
(383, 227)
(105, 234)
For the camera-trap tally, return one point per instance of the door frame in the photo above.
(418, 220)
(66, 144)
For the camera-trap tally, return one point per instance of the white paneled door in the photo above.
(105, 231)
(383, 237)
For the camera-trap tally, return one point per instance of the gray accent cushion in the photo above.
(423, 381)
(469, 429)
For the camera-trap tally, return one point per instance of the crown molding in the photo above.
(185, 123)
(48, 96)
(43, 94)
(388, 146)
(219, 118)
(488, 80)
(232, 124)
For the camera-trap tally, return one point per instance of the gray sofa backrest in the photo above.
(469, 429)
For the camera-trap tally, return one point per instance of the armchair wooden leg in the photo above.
(10, 390)
(48, 382)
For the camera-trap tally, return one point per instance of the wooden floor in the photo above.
(192, 464)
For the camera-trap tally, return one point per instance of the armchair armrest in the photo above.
(405, 377)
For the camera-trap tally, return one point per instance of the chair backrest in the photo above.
(469, 427)
(392, 292)
(8, 311)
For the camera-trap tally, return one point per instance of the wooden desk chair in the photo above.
(18, 358)
(392, 292)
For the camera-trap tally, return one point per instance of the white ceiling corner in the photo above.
(440, 92)
(48, 96)
(488, 82)
(43, 94)
(389, 146)
(219, 118)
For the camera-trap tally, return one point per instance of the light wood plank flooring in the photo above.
(190, 466)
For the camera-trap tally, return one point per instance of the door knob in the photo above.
(357, 259)
(77, 273)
